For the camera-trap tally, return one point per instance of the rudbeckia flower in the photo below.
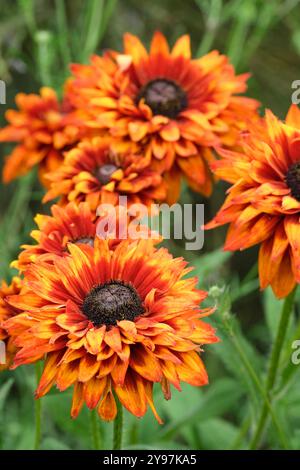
(98, 171)
(73, 223)
(77, 224)
(112, 323)
(7, 311)
(263, 203)
(43, 130)
(174, 106)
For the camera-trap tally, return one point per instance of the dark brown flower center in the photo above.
(85, 241)
(293, 180)
(113, 301)
(164, 97)
(103, 173)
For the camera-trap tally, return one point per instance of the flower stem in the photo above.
(38, 411)
(95, 429)
(118, 427)
(286, 312)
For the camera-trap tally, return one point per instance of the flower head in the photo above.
(43, 129)
(174, 106)
(263, 203)
(7, 311)
(70, 224)
(112, 322)
(79, 225)
(98, 171)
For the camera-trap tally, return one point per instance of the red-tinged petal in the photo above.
(67, 375)
(132, 394)
(134, 47)
(166, 389)
(107, 366)
(94, 338)
(49, 374)
(138, 130)
(93, 390)
(88, 367)
(280, 243)
(192, 369)
(292, 229)
(78, 400)
(145, 364)
(182, 47)
(170, 374)
(194, 167)
(293, 116)
(172, 179)
(159, 45)
(113, 339)
(149, 396)
(266, 267)
(107, 408)
(119, 371)
(284, 282)
(170, 132)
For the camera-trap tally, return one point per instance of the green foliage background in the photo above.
(38, 39)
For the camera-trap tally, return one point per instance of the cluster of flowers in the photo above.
(113, 317)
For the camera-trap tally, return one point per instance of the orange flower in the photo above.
(175, 107)
(112, 322)
(263, 203)
(99, 171)
(43, 129)
(73, 223)
(7, 311)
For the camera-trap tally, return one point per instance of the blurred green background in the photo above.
(38, 39)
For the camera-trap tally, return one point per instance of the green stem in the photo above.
(38, 411)
(260, 388)
(286, 312)
(95, 429)
(63, 36)
(118, 428)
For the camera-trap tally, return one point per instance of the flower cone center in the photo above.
(85, 241)
(103, 173)
(293, 180)
(164, 97)
(108, 303)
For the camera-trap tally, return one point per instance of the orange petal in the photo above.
(182, 47)
(134, 47)
(113, 339)
(49, 374)
(78, 400)
(159, 44)
(67, 375)
(170, 132)
(132, 394)
(192, 369)
(107, 409)
(94, 338)
(284, 282)
(88, 368)
(145, 363)
(293, 116)
(92, 391)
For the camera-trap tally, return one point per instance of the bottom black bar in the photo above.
(138, 458)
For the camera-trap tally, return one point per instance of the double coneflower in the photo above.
(263, 203)
(7, 311)
(43, 130)
(100, 170)
(112, 323)
(174, 107)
